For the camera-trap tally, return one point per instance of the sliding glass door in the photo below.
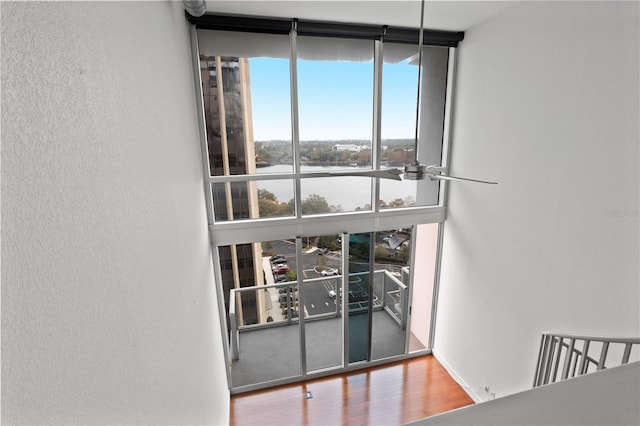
(378, 300)
(309, 305)
(359, 297)
(321, 284)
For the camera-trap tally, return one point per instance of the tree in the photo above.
(262, 155)
(398, 202)
(264, 194)
(315, 203)
(409, 201)
(328, 242)
(381, 252)
(364, 156)
(269, 206)
(359, 250)
(291, 276)
(404, 254)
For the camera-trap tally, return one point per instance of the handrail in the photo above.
(559, 349)
(400, 317)
(234, 345)
(632, 340)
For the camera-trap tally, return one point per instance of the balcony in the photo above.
(270, 351)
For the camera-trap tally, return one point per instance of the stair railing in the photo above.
(570, 355)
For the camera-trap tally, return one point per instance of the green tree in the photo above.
(264, 194)
(381, 252)
(262, 155)
(329, 242)
(315, 203)
(291, 276)
(360, 250)
(269, 206)
(404, 254)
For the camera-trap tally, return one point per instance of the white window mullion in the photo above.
(202, 127)
(295, 130)
(376, 149)
(448, 111)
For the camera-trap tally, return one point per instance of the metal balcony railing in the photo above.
(389, 293)
(573, 355)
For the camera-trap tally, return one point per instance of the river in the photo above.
(349, 192)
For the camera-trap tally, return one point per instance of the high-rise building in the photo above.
(227, 105)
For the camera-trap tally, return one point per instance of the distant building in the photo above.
(348, 147)
(227, 104)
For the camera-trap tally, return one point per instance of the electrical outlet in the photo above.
(491, 394)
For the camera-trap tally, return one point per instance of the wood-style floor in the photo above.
(391, 394)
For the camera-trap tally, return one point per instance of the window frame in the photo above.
(267, 229)
(245, 229)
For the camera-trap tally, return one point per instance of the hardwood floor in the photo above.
(385, 395)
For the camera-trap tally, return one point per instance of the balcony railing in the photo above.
(279, 303)
(573, 355)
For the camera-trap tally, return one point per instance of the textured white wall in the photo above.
(108, 313)
(547, 105)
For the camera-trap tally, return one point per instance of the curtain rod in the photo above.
(325, 29)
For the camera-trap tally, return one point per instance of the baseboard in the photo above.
(455, 376)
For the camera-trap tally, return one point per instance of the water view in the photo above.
(345, 191)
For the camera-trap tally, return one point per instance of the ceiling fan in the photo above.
(415, 170)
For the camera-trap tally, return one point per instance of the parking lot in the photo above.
(321, 282)
(317, 298)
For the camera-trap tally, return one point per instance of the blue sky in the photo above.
(335, 99)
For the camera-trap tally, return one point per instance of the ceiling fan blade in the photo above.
(383, 174)
(454, 178)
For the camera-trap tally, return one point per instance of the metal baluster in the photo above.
(575, 363)
(542, 357)
(627, 353)
(557, 361)
(567, 359)
(549, 357)
(585, 358)
(603, 355)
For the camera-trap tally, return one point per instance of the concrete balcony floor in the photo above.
(273, 353)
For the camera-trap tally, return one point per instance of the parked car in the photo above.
(278, 278)
(279, 261)
(281, 269)
(276, 257)
(329, 272)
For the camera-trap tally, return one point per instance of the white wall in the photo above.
(108, 313)
(547, 105)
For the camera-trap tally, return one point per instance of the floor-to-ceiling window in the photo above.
(321, 265)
